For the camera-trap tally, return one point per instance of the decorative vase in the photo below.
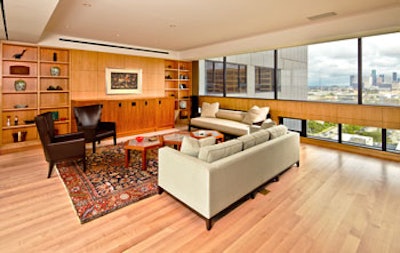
(55, 71)
(20, 85)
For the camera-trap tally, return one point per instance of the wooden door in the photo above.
(164, 113)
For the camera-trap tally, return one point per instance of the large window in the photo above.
(292, 79)
(393, 140)
(236, 79)
(264, 80)
(214, 77)
(362, 136)
(381, 69)
(322, 130)
(321, 72)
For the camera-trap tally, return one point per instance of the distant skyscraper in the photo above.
(381, 78)
(353, 82)
(394, 77)
(373, 75)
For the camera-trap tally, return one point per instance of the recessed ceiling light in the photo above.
(87, 4)
(321, 16)
(172, 25)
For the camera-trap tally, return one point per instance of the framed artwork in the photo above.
(123, 81)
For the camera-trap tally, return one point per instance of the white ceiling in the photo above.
(194, 29)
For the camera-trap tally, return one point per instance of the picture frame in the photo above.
(123, 81)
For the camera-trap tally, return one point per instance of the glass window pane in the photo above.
(292, 124)
(236, 79)
(319, 73)
(214, 77)
(362, 136)
(292, 73)
(322, 130)
(393, 140)
(381, 63)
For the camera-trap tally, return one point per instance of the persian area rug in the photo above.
(107, 185)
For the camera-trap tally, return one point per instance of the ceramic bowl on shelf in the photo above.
(139, 138)
(18, 106)
(182, 104)
(20, 85)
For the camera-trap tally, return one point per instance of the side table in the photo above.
(143, 146)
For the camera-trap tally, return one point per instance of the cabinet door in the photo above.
(164, 112)
(146, 117)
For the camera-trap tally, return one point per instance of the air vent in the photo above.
(113, 46)
(322, 16)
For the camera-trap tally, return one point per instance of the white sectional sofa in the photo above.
(236, 123)
(224, 173)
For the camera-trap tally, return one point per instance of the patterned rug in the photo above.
(107, 185)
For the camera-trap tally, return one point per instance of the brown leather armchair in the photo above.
(59, 147)
(88, 120)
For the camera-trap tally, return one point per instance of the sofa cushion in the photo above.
(261, 136)
(231, 115)
(277, 131)
(209, 110)
(191, 146)
(223, 125)
(248, 141)
(256, 114)
(219, 151)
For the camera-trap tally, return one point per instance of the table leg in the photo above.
(127, 157)
(144, 165)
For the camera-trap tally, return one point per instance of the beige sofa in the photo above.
(224, 173)
(236, 123)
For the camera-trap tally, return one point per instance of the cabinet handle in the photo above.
(133, 104)
(159, 102)
(120, 104)
(145, 102)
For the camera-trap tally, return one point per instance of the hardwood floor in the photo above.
(333, 202)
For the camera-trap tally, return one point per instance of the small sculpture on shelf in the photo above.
(19, 55)
(8, 120)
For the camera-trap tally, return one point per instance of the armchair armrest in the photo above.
(68, 136)
(59, 150)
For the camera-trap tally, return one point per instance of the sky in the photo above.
(332, 63)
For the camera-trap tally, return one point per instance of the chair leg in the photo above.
(94, 147)
(84, 163)
(51, 165)
(115, 139)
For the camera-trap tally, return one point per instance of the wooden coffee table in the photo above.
(175, 139)
(198, 134)
(143, 146)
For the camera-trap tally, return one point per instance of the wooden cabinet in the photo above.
(26, 76)
(134, 116)
(178, 85)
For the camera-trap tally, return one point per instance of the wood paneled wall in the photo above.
(364, 115)
(88, 74)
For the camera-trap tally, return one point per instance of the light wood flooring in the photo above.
(333, 202)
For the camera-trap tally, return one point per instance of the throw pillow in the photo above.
(209, 110)
(267, 124)
(191, 146)
(256, 114)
